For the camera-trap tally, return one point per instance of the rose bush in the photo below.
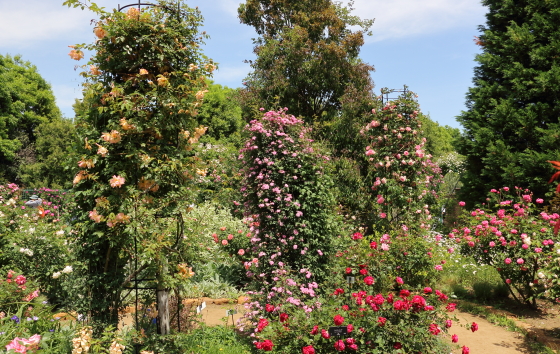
(295, 317)
(511, 235)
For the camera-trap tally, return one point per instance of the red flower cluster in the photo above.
(262, 324)
(265, 345)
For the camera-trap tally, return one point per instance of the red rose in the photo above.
(338, 320)
(345, 307)
(404, 293)
(339, 345)
(474, 327)
(434, 329)
(350, 341)
(427, 290)
(357, 236)
(315, 330)
(269, 308)
(399, 281)
(284, 317)
(363, 271)
(349, 328)
(267, 345)
(373, 245)
(348, 270)
(338, 291)
(369, 280)
(381, 321)
(466, 350)
(454, 338)
(397, 345)
(451, 307)
(262, 324)
(325, 334)
(308, 350)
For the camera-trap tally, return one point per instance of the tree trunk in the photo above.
(162, 299)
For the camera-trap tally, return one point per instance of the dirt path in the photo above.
(489, 339)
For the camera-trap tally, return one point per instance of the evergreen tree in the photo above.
(511, 127)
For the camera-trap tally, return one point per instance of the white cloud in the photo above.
(31, 22)
(408, 18)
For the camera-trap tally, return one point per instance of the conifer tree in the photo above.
(511, 126)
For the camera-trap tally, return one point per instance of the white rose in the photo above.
(67, 269)
(56, 275)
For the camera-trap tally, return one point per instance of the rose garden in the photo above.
(345, 222)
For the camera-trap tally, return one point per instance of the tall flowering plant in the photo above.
(138, 134)
(400, 173)
(513, 237)
(287, 199)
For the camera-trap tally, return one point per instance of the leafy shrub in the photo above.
(515, 240)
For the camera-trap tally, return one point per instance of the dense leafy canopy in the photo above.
(511, 125)
(26, 101)
(307, 56)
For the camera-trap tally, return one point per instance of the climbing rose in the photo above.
(116, 181)
(454, 338)
(466, 350)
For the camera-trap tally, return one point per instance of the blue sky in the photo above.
(424, 44)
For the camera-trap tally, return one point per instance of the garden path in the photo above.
(489, 339)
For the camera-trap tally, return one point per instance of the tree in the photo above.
(26, 101)
(138, 136)
(221, 113)
(511, 125)
(307, 57)
(53, 161)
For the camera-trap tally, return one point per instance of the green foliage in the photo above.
(203, 340)
(54, 162)
(26, 101)
(221, 113)
(307, 57)
(439, 139)
(138, 164)
(511, 126)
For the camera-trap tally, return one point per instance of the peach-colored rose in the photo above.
(79, 176)
(116, 181)
(143, 72)
(113, 137)
(102, 150)
(94, 70)
(162, 81)
(76, 54)
(99, 32)
(93, 215)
